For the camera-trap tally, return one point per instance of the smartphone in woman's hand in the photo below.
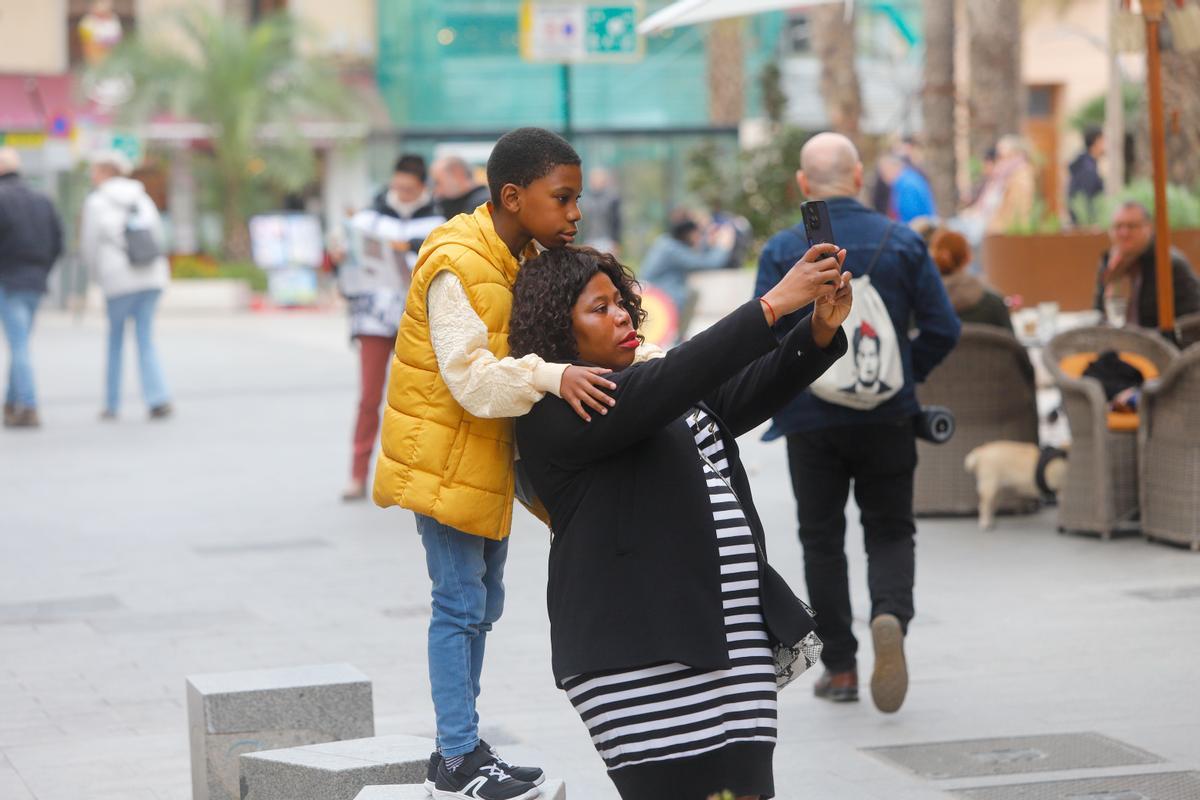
(817, 226)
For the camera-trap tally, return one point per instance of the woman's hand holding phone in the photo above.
(830, 312)
(816, 275)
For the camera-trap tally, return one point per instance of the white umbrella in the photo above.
(691, 12)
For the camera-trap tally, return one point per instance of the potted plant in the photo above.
(202, 283)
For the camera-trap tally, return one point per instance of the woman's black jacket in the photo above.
(634, 575)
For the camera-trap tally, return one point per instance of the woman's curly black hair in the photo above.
(547, 288)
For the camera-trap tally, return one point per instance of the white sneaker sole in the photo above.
(430, 785)
(443, 795)
(889, 680)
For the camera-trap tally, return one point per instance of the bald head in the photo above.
(10, 160)
(451, 177)
(829, 167)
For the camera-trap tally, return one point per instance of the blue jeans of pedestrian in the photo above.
(17, 309)
(139, 306)
(467, 573)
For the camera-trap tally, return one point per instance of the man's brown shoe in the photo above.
(889, 680)
(10, 414)
(838, 687)
(23, 417)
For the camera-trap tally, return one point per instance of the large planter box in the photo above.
(1058, 267)
(205, 296)
(1188, 240)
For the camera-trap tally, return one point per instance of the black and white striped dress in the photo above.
(643, 719)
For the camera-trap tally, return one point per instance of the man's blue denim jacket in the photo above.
(910, 287)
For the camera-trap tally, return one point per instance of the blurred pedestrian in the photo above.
(1007, 199)
(1127, 279)
(1085, 183)
(679, 252)
(455, 188)
(399, 220)
(910, 197)
(831, 445)
(987, 168)
(122, 244)
(908, 151)
(30, 243)
(601, 207)
(971, 299)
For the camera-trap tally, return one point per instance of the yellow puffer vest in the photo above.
(437, 459)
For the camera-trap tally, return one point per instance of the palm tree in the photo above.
(996, 91)
(938, 102)
(833, 41)
(726, 92)
(250, 85)
(1181, 76)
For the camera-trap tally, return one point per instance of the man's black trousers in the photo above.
(880, 460)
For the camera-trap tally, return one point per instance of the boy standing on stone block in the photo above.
(447, 441)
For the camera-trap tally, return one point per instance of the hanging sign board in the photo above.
(564, 32)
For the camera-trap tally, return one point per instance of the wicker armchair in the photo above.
(987, 381)
(1169, 453)
(1189, 329)
(1101, 493)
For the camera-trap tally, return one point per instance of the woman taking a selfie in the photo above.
(663, 611)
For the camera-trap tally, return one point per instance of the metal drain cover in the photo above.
(1014, 755)
(1159, 786)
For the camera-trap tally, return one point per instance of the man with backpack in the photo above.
(30, 243)
(121, 243)
(855, 424)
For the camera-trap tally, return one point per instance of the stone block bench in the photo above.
(335, 770)
(551, 790)
(232, 713)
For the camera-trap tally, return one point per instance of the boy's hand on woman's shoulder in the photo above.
(583, 388)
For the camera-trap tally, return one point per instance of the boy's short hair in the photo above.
(411, 164)
(523, 155)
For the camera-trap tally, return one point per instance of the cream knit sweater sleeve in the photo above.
(484, 385)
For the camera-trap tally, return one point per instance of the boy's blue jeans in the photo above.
(140, 306)
(467, 573)
(17, 309)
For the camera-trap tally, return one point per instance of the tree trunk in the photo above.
(1181, 76)
(726, 79)
(997, 94)
(833, 41)
(235, 235)
(937, 104)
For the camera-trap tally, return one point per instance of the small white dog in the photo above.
(1015, 467)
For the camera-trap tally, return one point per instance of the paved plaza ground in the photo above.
(136, 553)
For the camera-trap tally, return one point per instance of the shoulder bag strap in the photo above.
(887, 234)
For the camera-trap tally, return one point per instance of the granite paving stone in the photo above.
(334, 770)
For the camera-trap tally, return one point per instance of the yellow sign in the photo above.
(27, 141)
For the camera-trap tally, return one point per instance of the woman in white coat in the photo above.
(131, 269)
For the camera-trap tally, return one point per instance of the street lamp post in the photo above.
(1153, 11)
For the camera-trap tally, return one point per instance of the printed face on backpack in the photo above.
(866, 358)
(548, 208)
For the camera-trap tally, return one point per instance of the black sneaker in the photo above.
(435, 763)
(532, 775)
(479, 777)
